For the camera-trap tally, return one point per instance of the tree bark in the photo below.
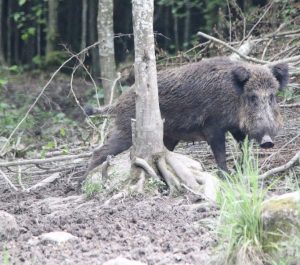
(52, 30)
(106, 48)
(1, 36)
(84, 23)
(9, 34)
(176, 34)
(187, 23)
(149, 126)
(93, 11)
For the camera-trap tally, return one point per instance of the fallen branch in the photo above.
(292, 105)
(43, 160)
(245, 57)
(248, 58)
(294, 161)
(45, 182)
(8, 181)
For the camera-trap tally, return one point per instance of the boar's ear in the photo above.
(281, 72)
(240, 76)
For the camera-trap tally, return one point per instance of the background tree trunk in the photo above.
(1, 36)
(187, 22)
(52, 29)
(93, 11)
(84, 24)
(149, 126)
(106, 47)
(9, 34)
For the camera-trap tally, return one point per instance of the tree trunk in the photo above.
(106, 48)
(1, 37)
(176, 34)
(83, 24)
(52, 30)
(9, 34)
(187, 23)
(149, 127)
(150, 160)
(92, 35)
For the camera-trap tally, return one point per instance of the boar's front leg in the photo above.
(117, 142)
(217, 144)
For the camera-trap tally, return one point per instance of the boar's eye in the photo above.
(253, 99)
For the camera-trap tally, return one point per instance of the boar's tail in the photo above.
(107, 110)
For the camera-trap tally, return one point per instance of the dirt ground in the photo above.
(155, 230)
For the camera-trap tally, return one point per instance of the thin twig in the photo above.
(251, 59)
(110, 102)
(292, 105)
(259, 20)
(43, 160)
(294, 161)
(270, 40)
(8, 181)
(278, 151)
(232, 49)
(41, 93)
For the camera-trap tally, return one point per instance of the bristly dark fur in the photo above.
(203, 101)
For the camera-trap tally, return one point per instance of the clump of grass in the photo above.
(92, 188)
(5, 257)
(240, 227)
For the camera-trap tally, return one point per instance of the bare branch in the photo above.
(45, 182)
(253, 28)
(245, 57)
(8, 181)
(41, 93)
(292, 105)
(294, 161)
(43, 160)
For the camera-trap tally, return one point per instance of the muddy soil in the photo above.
(155, 230)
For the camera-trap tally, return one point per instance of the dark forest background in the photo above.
(24, 25)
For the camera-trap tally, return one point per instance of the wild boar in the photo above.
(203, 101)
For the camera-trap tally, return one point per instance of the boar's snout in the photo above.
(266, 142)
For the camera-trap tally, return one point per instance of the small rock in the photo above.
(57, 237)
(123, 261)
(281, 216)
(8, 226)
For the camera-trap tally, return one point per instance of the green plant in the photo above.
(5, 257)
(240, 226)
(92, 188)
(155, 184)
(289, 94)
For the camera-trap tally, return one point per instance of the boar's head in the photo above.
(259, 115)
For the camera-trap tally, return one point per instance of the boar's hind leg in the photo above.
(116, 143)
(217, 144)
(170, 143)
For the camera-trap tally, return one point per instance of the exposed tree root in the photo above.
(178, 172)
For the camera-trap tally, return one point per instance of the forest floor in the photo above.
(151, 229)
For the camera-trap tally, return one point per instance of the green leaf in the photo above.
(22, 2)
(16, 16)
(13, 68)
(3, 82)
(31, 31)
(24, 36)
(62, 132)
